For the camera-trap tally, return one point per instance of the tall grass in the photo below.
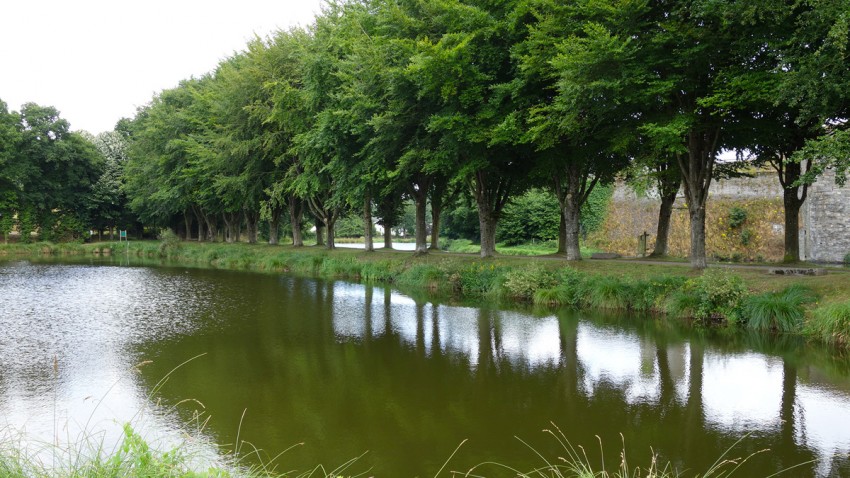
(782, 311)
(830, 323)
(573, 462)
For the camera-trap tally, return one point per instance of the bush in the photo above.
(830, 323)
(569, 289)
(847, 259)
(169, 243)
(777, 311)
(716, 294)
(737, 217)
(522, 283)
(477, 278)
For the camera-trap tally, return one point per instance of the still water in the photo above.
(344, 370)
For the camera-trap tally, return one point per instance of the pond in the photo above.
(339, 370)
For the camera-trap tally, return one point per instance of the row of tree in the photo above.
(385, 100)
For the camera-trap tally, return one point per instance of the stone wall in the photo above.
(824, 222)
(825, 225)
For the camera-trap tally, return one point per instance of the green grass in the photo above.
(830, 323)
(782, 311)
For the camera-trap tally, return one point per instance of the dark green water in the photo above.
(348, 369)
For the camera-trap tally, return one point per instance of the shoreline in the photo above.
(630, 285)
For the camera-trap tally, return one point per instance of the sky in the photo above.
(96, 61)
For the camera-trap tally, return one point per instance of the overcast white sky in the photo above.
(97, 60)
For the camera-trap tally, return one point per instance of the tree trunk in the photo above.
(792, 224)
(662, 233)
(421, 224)
(274, 225)
(573, 188)
(697, 168)
(331, 239)
(320, 233)
(697, 215)
(562, 234)
(793, 198)
(188, 226)
(296, 217)
(369, 243)
(571, 212)
(388, 238)
(252, 225)
(487, 224)
(419, 192)
(436, 211)
(438, 193)
(492, 192)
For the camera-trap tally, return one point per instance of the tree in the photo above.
(55, 170)
(107, 205)
(9, 180)
(577, 110)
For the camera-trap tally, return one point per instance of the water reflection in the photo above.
(738, 393)
(348, 368)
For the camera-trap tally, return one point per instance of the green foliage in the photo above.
(746, 237)
(422, 275)
(777, 311)
(533, 216)
(830, 323)
(737, 217)
(477, 278)
(716, 294)
(169, 243)
(522, 283)
(847, 259)
(593, 211)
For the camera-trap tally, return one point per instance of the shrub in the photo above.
(737, 217)
(830, 323)
(716, 294)
(570, 289)
(522, 283)
(651, 295)
(169, 243)
(777, 311)
(477, 278)
(847, 259)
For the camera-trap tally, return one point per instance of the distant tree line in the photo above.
(445, 102)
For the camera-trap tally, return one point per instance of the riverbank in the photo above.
(740, 295)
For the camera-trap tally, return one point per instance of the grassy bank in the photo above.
(744, 296)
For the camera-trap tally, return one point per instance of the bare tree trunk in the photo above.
(252, 225)
(419, 193)
(492, 192)
(187, 221)
(562, 234)
(274, 225)
(320, 232)
(793, 198)
(329, 224)
(487, 224)
(437, 200)
(573, 188)
(296, 218)
(697, 168)
(388, 238)
(662, 233)
(421, 226)
(369, 243)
